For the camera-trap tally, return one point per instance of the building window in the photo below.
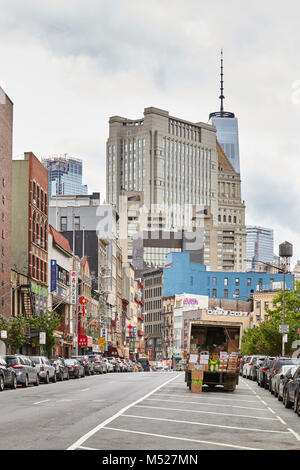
(237, 281)
(225, 293)
(214, 293)
(63, 224)
(225, 281)
(76, 223)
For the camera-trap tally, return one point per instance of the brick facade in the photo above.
(6, 127)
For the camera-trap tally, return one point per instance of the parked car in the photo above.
(278, 380)
(131, 367)
(139, 367)
(109, 365)
(262, 378)
(249, 369)
(115, 364)
(291, 389)
(25, 369)
(121, 365)
(8, 376)
(61, 370)
(76, 369)
(257, 362)
(87, 363)
(242, 362)
(99, 366)
(44, 369)
(277, 364)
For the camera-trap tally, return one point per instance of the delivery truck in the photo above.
(215, 346)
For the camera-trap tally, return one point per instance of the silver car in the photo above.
(109, 365)
(25, 369)
(44, 369)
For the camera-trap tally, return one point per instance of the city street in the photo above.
(144, 411)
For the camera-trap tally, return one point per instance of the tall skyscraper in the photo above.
(227, 128)
(6, 128)
(260, 246)
(65, 175)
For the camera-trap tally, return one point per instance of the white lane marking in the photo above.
(87, 448)
(93, 431)
(281, 420)
(181, 439)
(271, 410)
(205, 424)
(294, 434)
(206, 398)
(205, 404)
(206, 412)
(85, 389)
(38, 402)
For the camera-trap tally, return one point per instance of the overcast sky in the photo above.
(69, 65)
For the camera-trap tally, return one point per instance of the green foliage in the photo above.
(45, 322)
(266, 339)
(16, 328)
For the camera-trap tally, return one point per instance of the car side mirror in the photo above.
(282, 377)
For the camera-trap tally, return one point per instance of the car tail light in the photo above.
(42, 369)
(250, 364)
(73, 367)
(97, 362)
(264, 369)
(17, 367)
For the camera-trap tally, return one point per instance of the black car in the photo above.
(291, 389)
(262, 378)
(61, 370)
(87, 364)
(276, 366)
(75, 368)
(8, 376)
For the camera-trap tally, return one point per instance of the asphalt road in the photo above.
(144, 411)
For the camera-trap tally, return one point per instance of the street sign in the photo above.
(285, 338)
(3, 334)
(101, 347)
(102, 341)
(284, 328)
(42, 337)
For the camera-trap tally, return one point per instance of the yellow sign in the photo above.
(101, 347)
(102, 340)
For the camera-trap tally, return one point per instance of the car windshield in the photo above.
(10, 360)
(36, 360)
(70, 362)
(286, 362)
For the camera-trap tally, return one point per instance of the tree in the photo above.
(16, 328)
(266, 339)
(46, 322)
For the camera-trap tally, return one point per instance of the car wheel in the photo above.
(68, 376)
(298, 408)
(25, 384)
(2, 385)
(47, 380)
(295, 407)
(54, 378)
(14, 382)
(37, 382)
(286, 401)
(275, 392)
(61, 376)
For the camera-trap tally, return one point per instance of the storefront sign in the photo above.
(191, 301)
(53, 275)
(85, 341)
(73, 287)
(3, 334)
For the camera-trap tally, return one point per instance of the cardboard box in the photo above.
(191, 366)
(197, 375)
(196, 388)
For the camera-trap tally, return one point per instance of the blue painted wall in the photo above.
(183, 276)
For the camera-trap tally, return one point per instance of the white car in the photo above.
(109, 365)
(247, 366)
(45, 370)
